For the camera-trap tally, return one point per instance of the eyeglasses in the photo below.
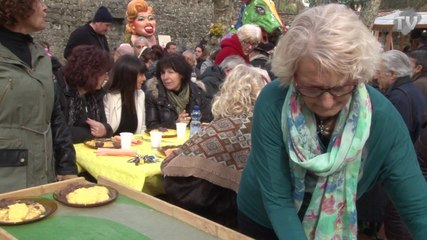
(313, 92)
(249, 43)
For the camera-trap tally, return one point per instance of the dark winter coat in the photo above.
(421, 148)
(420, 81)
(410, 103)
(212, 79)
(85, 35)
(94, 109)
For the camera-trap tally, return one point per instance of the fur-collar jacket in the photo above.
(161, 113)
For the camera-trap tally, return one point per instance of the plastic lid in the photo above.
(196, 107)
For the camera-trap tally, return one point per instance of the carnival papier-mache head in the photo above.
(264, 14)
(141, 21)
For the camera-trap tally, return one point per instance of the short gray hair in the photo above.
(249, 32)
(398, 62)
(333, 36)
(190, 54)
(141, 39)
(231, 62)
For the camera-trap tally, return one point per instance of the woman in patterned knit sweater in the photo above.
(203, 175)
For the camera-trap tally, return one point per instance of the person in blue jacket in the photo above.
(394, 78)
(321, 137)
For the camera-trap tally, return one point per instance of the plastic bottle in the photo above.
(195, 123)
(193, 77)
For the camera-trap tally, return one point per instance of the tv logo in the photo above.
(406, 21)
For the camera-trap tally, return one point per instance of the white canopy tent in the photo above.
(387, 22)
(385, 26)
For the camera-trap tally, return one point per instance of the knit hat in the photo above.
(103, 15)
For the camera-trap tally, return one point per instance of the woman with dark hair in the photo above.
(171, 96)
(151, 58)
(83, 76)
(35, 142)
(201, 54)
(124, 102)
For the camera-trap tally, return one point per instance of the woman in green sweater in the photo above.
(321, 137)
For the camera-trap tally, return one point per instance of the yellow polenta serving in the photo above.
(19, 212)
(88, 195)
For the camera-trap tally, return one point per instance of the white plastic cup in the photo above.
(181, 129)
(156, 139)
(126, 140)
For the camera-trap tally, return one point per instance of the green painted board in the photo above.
(124, 218)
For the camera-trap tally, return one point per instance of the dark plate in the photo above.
(162, 150)
(49, 205)
(102, 143)
(167, 133)
(60, 196)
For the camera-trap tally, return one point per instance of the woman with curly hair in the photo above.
(82, 100)
(203, 175)
(35, 142)
(141, 21)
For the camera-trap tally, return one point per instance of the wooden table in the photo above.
(144, 177)
(133, 215)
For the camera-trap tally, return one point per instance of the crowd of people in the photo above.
(292, 134)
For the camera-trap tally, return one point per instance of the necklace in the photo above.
(322, 126)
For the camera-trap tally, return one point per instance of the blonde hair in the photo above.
(334, 37)
(249, 32)
(134, 7)
(238, 92)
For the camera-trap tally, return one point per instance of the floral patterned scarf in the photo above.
(331, 213)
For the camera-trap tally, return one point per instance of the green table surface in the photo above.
(124, 218)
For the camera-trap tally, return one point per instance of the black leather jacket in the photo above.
(63, 148)
(161, 113)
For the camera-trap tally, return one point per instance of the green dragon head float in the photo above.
(264, 14)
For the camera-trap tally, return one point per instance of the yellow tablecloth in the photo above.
(145, 177)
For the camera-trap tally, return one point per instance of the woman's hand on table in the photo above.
(97, 129)
(184, 117)
(65, 177)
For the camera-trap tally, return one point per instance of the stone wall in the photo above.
(185, 21)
